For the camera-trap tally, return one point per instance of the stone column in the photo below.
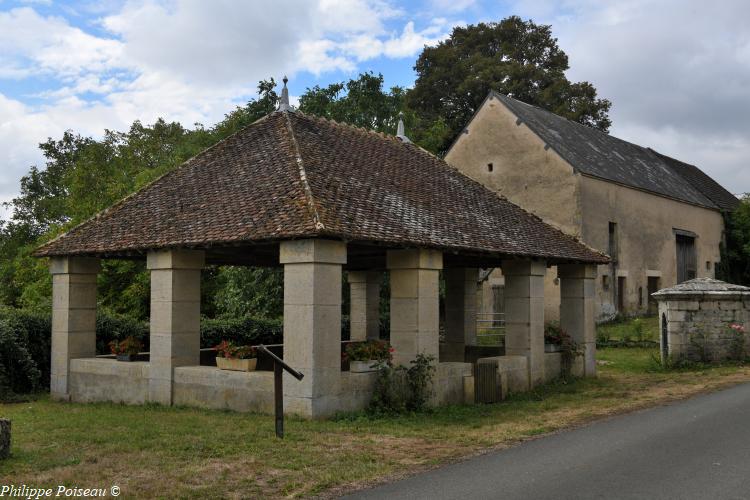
(460, 311)
(312, 324)
(73, 317)
(577, 289)
(175, 317)
(364, 300)
(415, 308)
(524, 314)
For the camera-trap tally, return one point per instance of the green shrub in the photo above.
(400, 389)
(19, 372)
(116, 328)
(241, 331)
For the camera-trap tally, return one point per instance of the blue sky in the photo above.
(677, 71)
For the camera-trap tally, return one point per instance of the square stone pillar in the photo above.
(524, 314)
(364, 302)
(415, 303)
(577, 289)
(175, 317)
(73, 317)
(460, 311)
(312, 324)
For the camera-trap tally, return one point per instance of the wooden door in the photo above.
(687, 265)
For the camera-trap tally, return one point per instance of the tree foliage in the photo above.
(735, 252)
(513, 57)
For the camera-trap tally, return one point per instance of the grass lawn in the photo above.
(179, 452)
(628, 330)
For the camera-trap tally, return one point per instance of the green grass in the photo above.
(153, 451)
(627, 329)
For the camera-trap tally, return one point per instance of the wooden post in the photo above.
(278, 394)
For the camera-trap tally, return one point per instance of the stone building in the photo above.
(659, 219)
(704, 319)
(316, 198)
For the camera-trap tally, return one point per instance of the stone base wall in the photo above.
(698, 330)
(448, 388)
(104, 379)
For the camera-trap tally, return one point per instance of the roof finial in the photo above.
(284, 101)
(400, 128)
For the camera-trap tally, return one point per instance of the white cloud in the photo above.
(677, 72)
(186, 60)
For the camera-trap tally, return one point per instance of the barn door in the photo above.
(686, 259)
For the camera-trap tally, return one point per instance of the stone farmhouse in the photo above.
(659, 219)
(317, 198)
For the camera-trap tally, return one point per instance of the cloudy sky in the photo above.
(677, 71)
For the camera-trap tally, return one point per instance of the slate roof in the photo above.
(597, 154)
(290, 175)
(700, 286)
(702, 182)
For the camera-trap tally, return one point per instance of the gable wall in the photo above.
(524, 172)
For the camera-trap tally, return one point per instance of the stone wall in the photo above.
(105, 379)
(699, 330)
(696, 318)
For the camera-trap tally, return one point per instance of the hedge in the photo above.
(25, 340)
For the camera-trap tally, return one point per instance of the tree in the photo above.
(83, 176)
(735, 253)
(361, 102)
(513, 57)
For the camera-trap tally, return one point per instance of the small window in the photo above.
(708, 265)
(490, 167)
(640, 296)
(605, 282)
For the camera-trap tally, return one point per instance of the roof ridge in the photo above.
(707, 203)
(310, 198)
(345, 125)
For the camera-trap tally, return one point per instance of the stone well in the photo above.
(696, 318)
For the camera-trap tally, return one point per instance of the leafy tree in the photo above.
(514, 57)
(361, 102)
(735, 253)
(82, 176)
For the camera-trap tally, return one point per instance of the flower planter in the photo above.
(552, 348)
(364, 366)
(237, 365)
(126, 357)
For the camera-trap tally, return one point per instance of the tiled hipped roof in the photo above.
(597, 154)
(291, 175)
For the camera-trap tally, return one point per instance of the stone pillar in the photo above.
(364, 300)
(460, 311)
(415, 307)
(312, 324)
(524, 314)
(577, 289)
(73, 317)
(175, 317)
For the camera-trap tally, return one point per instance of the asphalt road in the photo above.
(694, 449)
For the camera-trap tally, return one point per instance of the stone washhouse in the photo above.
(316, 198)
(696, 319)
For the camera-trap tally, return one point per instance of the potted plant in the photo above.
(368, 356)
(126, 349)
(230, 356)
